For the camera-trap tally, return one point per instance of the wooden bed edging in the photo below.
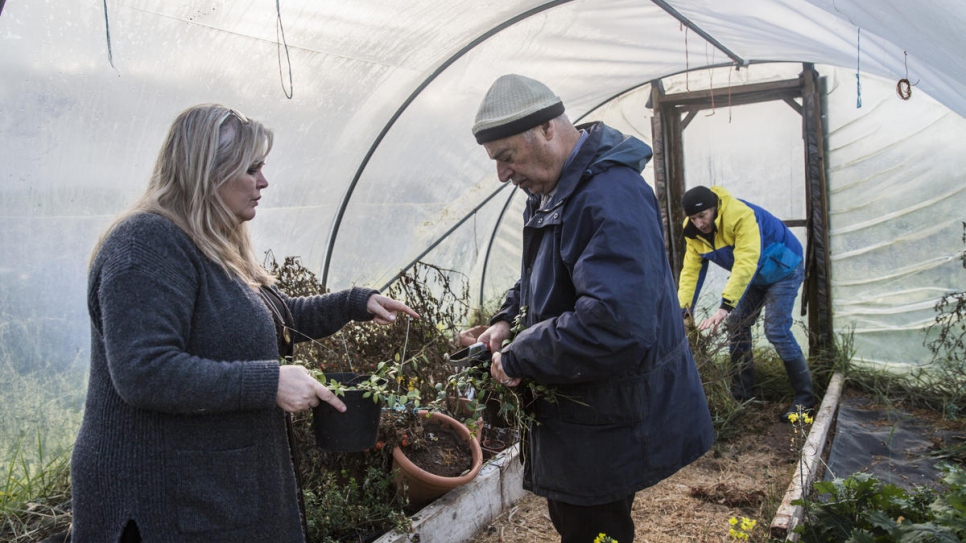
(462, 512)
(789, 516)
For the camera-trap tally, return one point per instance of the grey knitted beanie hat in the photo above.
(513, 105)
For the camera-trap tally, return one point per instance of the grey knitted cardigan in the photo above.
(181, 432)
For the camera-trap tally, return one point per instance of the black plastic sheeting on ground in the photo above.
(894, 446)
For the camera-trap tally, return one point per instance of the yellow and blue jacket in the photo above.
(750, 242)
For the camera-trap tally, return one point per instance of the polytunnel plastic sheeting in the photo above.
(377, 128)
(897, 196)
(616, 45)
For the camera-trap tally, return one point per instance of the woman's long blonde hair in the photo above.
(207, 145)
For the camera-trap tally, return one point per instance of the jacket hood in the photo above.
(604, 148)
(618, 148)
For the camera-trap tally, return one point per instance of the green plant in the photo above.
(862, 509)
(385, 385)
(939, 385)
(946, 340)
(405, 363)
(34, 493)
(740, 529)
(345, 506)
(487, 400)
(714, 365)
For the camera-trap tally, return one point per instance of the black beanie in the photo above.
(698, 199)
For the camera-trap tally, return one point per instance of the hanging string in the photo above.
(281, 31)
(687, 60)
(903, 87)
(729, 92)
(710, 78)
(858, 81)
(107, 28)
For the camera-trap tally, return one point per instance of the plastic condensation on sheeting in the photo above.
(374, 165)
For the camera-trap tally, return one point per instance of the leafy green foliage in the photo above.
(862, 509)
(350, 495)
(34, 492)
(342, 506)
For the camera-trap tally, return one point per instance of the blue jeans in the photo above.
(778, 300)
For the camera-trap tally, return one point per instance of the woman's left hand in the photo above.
(384, 309)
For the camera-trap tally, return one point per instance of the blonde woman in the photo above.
(184, 436)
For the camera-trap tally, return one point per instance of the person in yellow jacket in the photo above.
(765, 261)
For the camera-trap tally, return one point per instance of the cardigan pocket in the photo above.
(216, 490)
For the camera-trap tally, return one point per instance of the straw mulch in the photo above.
(746, 475)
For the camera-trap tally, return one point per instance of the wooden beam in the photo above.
(789, 516)
(816, 297)
(794, 105)
(744, 94)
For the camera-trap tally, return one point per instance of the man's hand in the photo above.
(496, 370)
(714, 320)
(471, 336)
(495, 335)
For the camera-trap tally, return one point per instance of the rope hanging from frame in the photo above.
(687, 59)
(710, 76)
(735, 66)
(281, 31)
(858, 58)
(107, 29)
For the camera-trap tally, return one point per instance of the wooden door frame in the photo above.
(673, 113)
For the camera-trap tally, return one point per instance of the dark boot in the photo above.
(801, 381)
(743, 380)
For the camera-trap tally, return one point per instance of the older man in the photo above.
(601, 324)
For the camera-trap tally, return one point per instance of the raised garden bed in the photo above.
(464, 511)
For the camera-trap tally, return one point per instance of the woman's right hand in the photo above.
(298, 391)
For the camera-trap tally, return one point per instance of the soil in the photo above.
(745, 475)
(443, 452)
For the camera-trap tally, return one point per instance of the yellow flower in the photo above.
(808, 419)
(742, 531)
(793, 418)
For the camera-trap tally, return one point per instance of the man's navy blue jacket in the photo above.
(602, 324)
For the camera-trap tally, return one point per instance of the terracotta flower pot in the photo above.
(423, 486)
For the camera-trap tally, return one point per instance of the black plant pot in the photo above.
(352, 431)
